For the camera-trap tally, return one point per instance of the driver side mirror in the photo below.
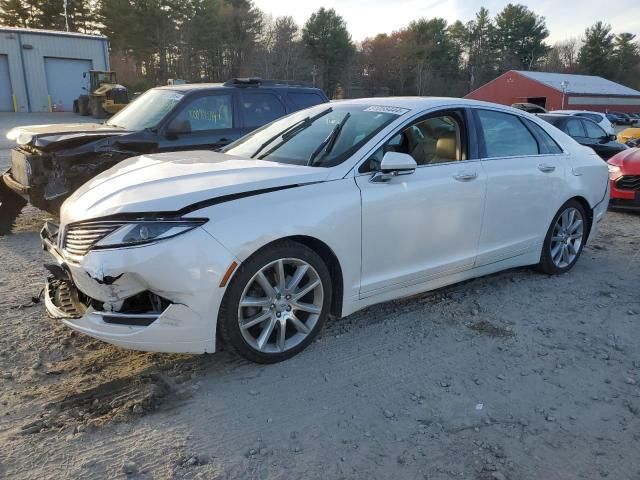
(394, 164)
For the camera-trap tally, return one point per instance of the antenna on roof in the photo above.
(66, 17)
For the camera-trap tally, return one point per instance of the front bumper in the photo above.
(627, 199)
(185, 270)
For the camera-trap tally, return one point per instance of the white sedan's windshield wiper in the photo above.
(290, 132)
(328, 143)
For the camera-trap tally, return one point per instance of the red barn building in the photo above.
(559, 91)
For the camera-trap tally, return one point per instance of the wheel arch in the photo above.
(328, 256)
(589, 211)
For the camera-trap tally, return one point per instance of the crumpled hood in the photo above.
(169, 182)
(628, 161)
(45, 135)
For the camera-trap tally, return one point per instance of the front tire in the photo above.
(276, 303)
(565, 239)
(11, 204)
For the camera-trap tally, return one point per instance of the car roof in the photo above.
(423, 103)
(193, 87)
(576, 111)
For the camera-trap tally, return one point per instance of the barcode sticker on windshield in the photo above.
(392, 110)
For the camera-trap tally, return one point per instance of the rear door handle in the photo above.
(465, 176)
(545, 168)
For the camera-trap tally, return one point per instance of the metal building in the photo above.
(558, 91)
(41, 70)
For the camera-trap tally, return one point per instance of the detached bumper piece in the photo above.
(62, 299)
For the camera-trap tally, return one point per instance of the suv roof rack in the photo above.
(257, 81)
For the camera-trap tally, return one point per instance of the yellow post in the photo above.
(49, 99)
(15, 104)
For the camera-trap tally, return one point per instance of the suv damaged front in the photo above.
(51, 161)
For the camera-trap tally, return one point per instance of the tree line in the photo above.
(214, 40)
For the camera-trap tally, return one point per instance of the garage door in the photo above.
(64, 79)
(6, 103)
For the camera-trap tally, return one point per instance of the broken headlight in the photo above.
(139, 232)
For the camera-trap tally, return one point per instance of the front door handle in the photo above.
(545, 168)
(465, 176)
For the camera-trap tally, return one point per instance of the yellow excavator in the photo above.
(104, 95)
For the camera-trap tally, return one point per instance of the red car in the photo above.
(624, 176)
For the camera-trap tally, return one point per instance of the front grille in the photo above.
(20, 167)
(80, 238)
(629, 182)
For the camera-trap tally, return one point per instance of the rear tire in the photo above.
(96, 108)
(83, 105)
(565, 239)
(11, 204)
(271, 322)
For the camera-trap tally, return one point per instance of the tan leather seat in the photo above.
(447, 149)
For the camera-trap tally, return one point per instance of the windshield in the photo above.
(321, 136)
(147, 110)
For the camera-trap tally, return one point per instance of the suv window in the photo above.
(593, 130)
(574, 128)
(505, 135)
(260, 108)
(305, 100)
(212, 112)
(433, 140)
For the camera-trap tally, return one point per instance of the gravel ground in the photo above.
(514, 376)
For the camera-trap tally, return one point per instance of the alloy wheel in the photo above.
(567, 237)
(280, 305)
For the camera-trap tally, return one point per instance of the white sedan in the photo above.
(317, 215)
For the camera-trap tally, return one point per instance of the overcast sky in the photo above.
(566, 18)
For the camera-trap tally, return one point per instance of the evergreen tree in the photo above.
(627, 57)
(329, 43)
(14, 13)
(596, 54)
(520, 36)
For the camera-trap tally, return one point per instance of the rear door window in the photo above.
(546, 143)
(305, 100)
(574, 128)
(505, 135)
(260, 108)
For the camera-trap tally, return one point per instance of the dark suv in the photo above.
(51, 161)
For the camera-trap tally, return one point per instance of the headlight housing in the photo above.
(140, 232)
(613, 170)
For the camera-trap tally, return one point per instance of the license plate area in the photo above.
(21, 167)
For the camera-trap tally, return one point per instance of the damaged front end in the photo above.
(64, 300)
(46, 170)
(123, 294)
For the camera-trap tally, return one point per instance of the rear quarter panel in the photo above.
(587, 174)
